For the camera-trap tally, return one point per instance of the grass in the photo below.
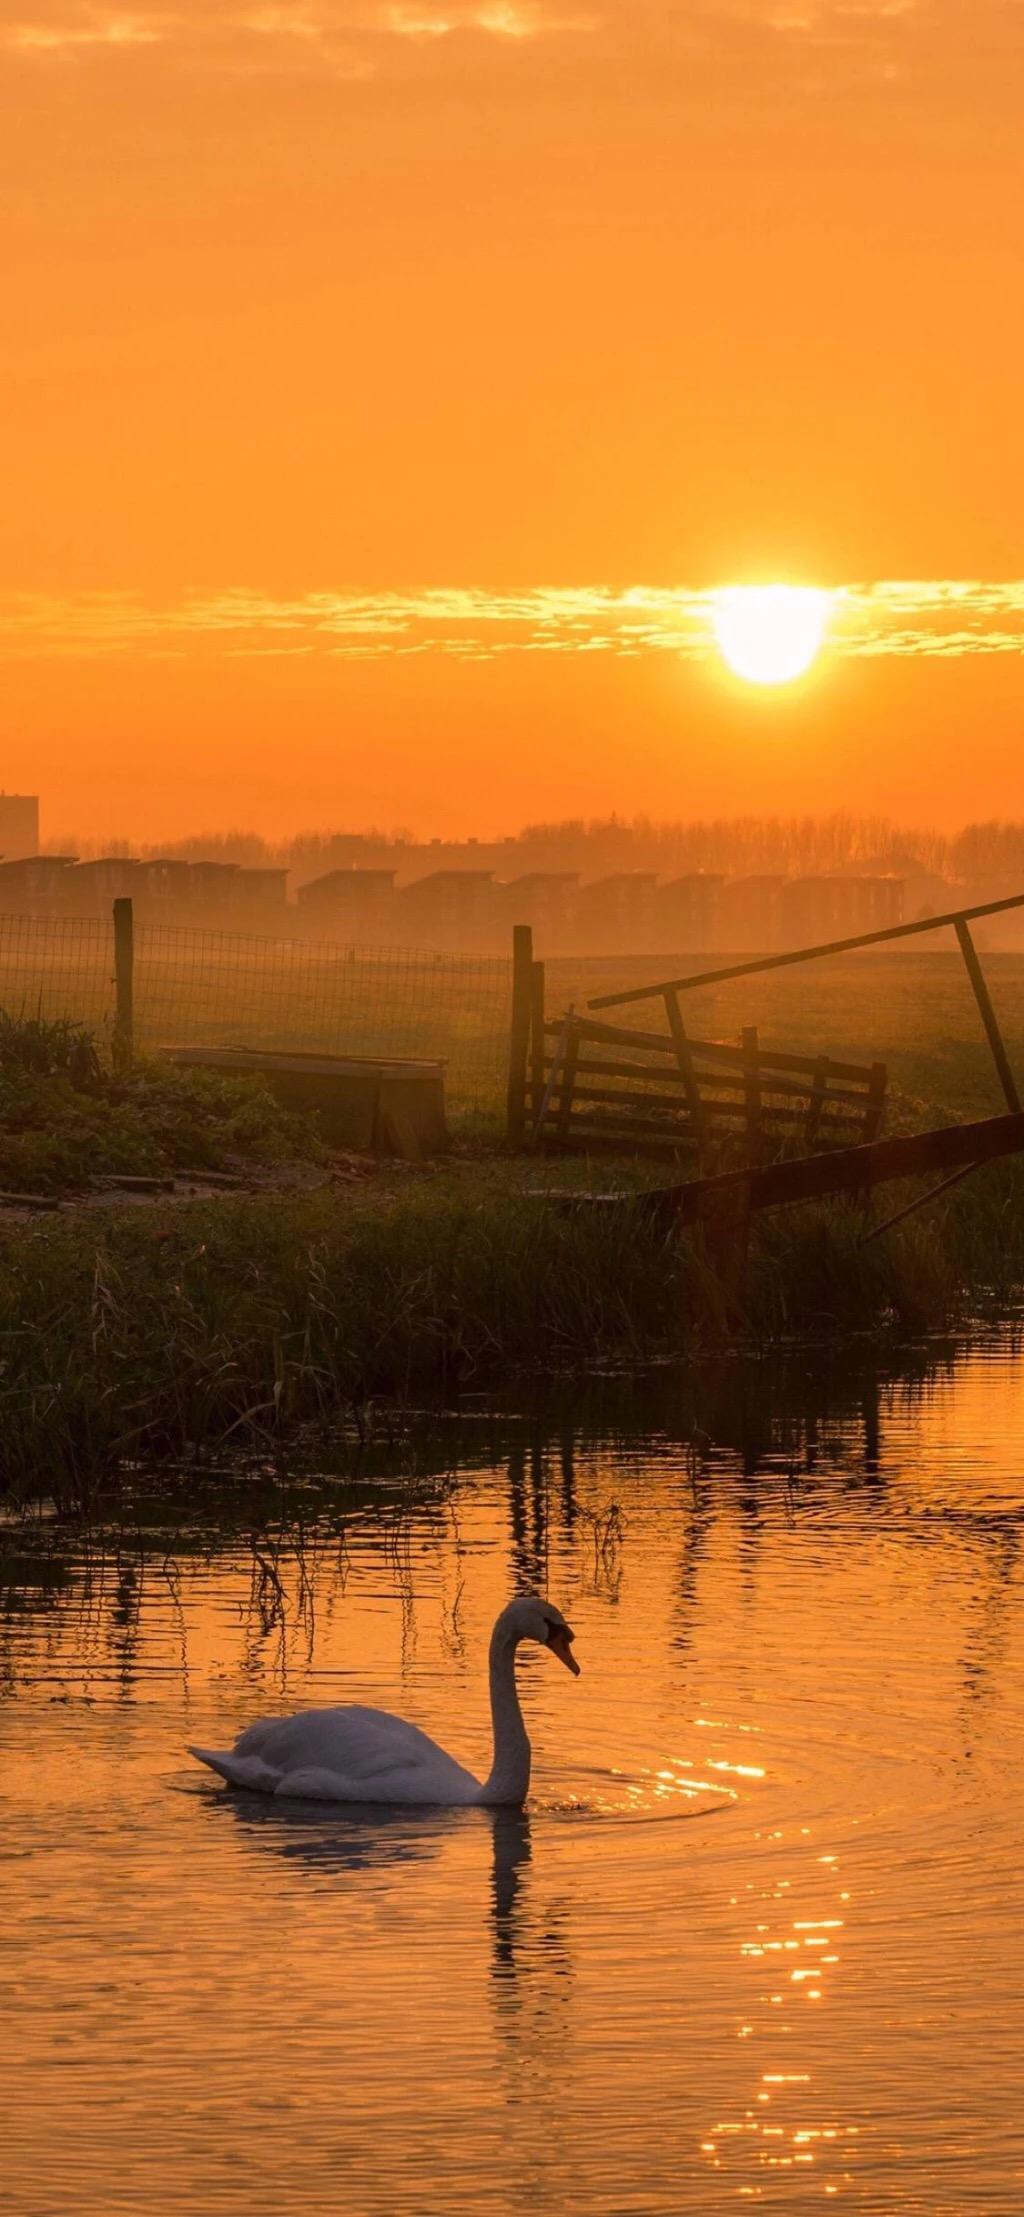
(172, 1335)
(215, 988)
(65, 1120)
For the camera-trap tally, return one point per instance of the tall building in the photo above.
(19, 825)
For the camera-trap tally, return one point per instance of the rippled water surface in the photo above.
(757, 1938)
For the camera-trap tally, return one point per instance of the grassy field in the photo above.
(911, 1009)
(208, 988)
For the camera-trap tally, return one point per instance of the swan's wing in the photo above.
(344, 1754)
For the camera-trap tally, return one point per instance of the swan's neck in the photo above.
(509, 1782)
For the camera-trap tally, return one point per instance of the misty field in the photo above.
(217, 988)
(914, 1011)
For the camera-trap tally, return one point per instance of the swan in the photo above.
(356, 1754)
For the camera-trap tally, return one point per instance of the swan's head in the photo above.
(534, 1619)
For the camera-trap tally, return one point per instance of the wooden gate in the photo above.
(595, 1085)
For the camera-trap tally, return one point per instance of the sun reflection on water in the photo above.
(786, 2124)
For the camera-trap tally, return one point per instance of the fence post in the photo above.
(875, 1113)
(538, 1041)
(519, 1039)
(124, 979)
(752, 1090)
(819, 1095)
(988, 1015)
(567, 1077)
(695, 1105)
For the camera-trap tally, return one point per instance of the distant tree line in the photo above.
(734, 846)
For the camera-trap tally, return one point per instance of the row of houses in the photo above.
(222, 895)
(626, 912)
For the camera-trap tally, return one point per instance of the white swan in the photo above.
(356, 1754)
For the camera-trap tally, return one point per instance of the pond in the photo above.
(756, 1938)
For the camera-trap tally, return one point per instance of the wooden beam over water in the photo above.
(847, 1169)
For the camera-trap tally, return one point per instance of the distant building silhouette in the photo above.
(616, 913)
(19, 825)
(349, 904)
(689, 912)
(449, 908)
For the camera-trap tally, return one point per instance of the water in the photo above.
(758, 1938)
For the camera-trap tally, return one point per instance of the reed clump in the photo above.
(175, 1334)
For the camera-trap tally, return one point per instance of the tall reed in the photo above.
(170, 1334)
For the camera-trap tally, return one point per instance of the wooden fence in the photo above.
(576, 1083)
(596, 1085)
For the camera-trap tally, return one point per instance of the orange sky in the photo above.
(331, 305)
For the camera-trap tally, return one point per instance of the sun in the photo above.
(769, 634)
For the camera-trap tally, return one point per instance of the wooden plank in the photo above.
(920, 1201)
(625, 1098)
(664, 1074)
(684, 1053)
(124, 979)
(397, 1136)
(519, 1035)
(668, 1075)
(723, 1229)
(600, 1107)
(752, 1090)
(114, 1181)
(855, 1169)
(536, 1038)
(875, 1112)
(714, 1050)
(618, 1035)
(556, 1061)
(566, 1081)
(814, 1105)
(988, 1014)
(714, 1110)
(804, 954)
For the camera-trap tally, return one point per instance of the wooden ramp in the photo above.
(852, 1170)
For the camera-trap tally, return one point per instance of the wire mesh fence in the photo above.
(204, 988)
(59, 966)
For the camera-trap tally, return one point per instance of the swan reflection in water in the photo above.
(529, 1949)
(362, 1836)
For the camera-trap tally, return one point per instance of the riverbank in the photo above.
(69, 1124)
(170, 1333)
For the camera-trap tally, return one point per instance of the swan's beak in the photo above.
(558, 1642)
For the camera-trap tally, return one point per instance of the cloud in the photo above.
(722, 40)
(316, 29)
(736, 58)
(89, 28)
(939, 618)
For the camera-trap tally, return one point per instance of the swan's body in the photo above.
(354, 1754)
